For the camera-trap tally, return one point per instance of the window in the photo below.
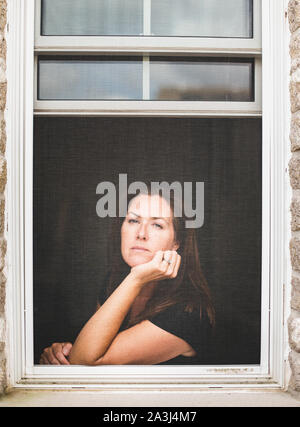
(147, 79)
(73, 154)
(164, 59)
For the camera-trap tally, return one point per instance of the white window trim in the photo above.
(275, 267)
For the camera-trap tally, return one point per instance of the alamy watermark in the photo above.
(183, 198)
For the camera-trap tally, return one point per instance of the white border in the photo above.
(19, 207)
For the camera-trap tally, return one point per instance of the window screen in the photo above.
(73, 154)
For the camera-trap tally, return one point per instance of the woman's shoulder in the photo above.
(193, 327)
(179, 311)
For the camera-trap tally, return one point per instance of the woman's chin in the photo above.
(138, 259)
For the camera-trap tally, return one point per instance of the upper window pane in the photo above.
(202, 18)
(92, 17)
(181, 18)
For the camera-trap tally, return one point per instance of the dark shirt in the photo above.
(188, 326)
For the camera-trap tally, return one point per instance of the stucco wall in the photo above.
(3, 173)
(294, 321)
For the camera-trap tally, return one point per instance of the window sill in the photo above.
(205, 398)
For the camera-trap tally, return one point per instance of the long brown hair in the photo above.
(189, 287)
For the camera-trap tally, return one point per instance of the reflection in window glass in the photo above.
(92, 17)
(90, 78)
(202, 18)
(201, 79)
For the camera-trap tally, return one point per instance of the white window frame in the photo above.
(275, 267)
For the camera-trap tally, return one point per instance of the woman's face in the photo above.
(147, 228)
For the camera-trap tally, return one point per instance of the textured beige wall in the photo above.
(294, 167)
(3, 173)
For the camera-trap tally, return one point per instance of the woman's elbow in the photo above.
(77, 359)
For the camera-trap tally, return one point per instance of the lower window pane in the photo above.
(90, 78)
(201, 79)
(72, 155)
(121, 78)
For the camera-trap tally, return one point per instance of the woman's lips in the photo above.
(139, 249)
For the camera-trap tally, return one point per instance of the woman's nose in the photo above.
(142, 232)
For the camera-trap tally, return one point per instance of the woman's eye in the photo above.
(132, 221)
(135, 221)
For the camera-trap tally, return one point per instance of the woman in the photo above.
(157, 307)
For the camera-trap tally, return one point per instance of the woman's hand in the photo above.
(56, 354)
(164, 265)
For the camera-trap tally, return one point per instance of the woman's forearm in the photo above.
(99, 332)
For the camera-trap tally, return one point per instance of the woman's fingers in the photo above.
(158, 257)
(56, 354)
(67, 346)
(43, 360)
(169, 259)
(172, 260)
(163, 265)
(48, 355)
(59, 353)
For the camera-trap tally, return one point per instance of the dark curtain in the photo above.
(73, 154)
